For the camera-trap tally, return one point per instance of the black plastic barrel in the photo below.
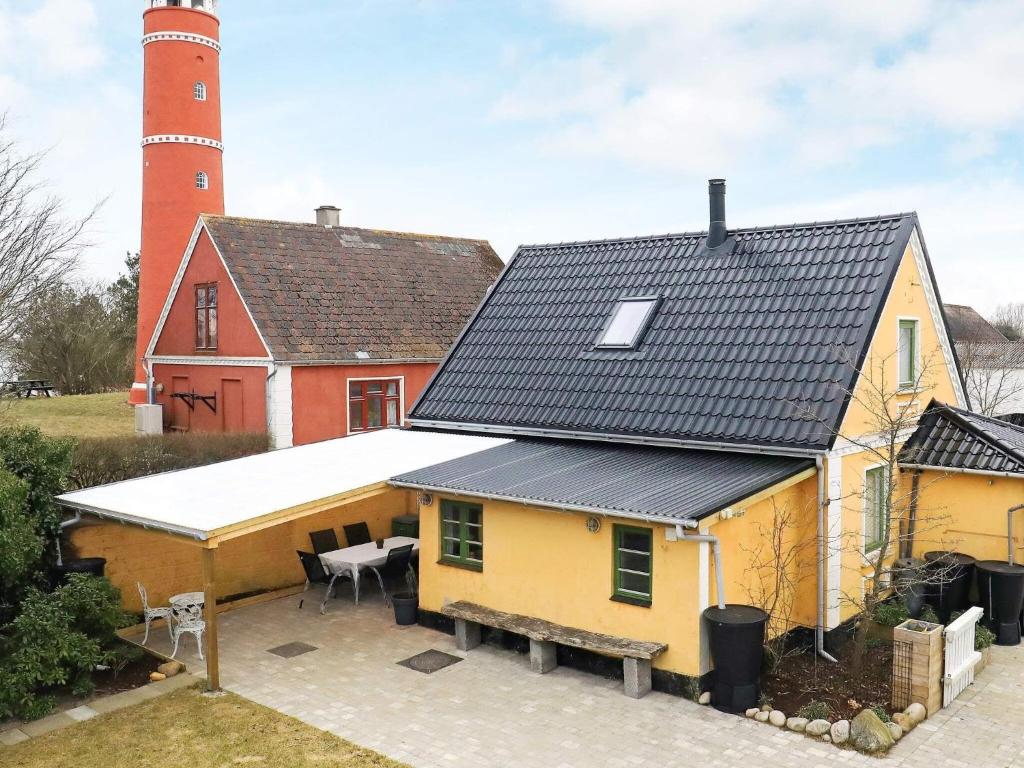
(1001, 588)
(908, 578)
(949, 581)
(736, 634)
(406, 606)
(95, 566)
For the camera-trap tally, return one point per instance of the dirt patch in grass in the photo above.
(187, 728)
(805, 678)
(103, 415)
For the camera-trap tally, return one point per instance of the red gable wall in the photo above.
(236, 334)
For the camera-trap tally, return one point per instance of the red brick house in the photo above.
(309, 331)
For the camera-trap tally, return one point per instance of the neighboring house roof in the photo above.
(668, 484)
(965, 324)
(955, 439)
(991, 355)
(755, 343)
(320, 293)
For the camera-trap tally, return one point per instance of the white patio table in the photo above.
(351, 559)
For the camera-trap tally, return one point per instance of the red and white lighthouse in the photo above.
(182, 153)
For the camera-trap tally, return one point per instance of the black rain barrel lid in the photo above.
(998, 566)
(950, 558)
(735, 614)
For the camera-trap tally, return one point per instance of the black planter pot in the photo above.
(908, 578)
(91, 565)
(736, 635)
(950, 575)
(406, 605)
(1001, 588)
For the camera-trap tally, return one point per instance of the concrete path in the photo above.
(490, 711)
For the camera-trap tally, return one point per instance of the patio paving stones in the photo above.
(490, 711)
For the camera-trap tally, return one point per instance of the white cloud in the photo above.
(678, 81)
(58, 36)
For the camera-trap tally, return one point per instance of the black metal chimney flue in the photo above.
(716, 230)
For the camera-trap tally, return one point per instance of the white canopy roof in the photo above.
(200, 501)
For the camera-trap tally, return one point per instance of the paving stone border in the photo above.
(101, 706)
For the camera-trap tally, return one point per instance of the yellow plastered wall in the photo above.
(748, 552)
(260, 561)
(546, 564)
(967, 513)
(907, 300)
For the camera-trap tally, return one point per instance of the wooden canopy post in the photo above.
(210, 600)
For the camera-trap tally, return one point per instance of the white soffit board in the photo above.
(201, 500)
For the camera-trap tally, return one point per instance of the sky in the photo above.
(555, 120)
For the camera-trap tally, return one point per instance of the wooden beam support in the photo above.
(210, 599)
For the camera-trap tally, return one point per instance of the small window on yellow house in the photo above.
(907, 353)
(633, 560)
(462, 534)
(876, 517)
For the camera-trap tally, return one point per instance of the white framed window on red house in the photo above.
(206, 316)
(374, 404)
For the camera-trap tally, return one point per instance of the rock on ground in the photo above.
(903, 721)
(171, 668)
(156, 677)
(705, 698)
(761, 717)
(869, 734)
(840, 731)
(895, 731)
(817, 727)
(798, 724)
(777, 718)
(751, 712)
(916, 712)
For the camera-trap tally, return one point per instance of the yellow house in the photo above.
(674, 400)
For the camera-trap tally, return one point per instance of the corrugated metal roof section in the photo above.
(742, 345)
(951, 438)
(633, 481)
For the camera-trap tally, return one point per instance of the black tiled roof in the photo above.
(652, 483)
(952, 438)
(747, 340)
(320, 293)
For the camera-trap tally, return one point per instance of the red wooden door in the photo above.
(180, 413)
(231, 407)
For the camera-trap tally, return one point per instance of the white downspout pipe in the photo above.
(819, 629)
(67, 524)
(1009, 531)
(716, 547)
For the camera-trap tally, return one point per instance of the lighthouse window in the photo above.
(202, 180)
(199, 91)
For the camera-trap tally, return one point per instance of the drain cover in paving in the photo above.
(291, 650)
(430, 661)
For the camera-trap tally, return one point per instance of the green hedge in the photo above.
(101, 460)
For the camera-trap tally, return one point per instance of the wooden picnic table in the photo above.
(26, 387)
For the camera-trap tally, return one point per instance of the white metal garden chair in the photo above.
(148, 613)
(188, 619)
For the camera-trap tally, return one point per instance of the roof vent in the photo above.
(716, 196)
(328, 216)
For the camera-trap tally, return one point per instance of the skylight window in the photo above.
(628, 322)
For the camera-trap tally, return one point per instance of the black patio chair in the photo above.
(397, 565)
(324, 541)
(357, 533)
(316, 574)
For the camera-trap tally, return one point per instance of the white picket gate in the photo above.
(960, 656)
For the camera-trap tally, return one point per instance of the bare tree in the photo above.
(779, 561)
(993, 374)
(38, 245)
(1009, 320)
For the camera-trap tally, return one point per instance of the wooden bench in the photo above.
(545, 636)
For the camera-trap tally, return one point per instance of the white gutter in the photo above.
(126, 519)
(1009, 531)
(819, 627)
(958, 471)
(716, 548)
(793, 453)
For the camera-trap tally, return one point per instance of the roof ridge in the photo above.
(970, 417)
(740, 230)
(314, 225)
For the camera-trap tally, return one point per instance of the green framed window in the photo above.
(907, 353)
(876, 515)
(633, 560)
(462, 534)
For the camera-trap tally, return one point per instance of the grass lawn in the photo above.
(103, 415)
(187, 729)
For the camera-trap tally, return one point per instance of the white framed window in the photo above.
(908, 352)
(202, 180)
(876, 510)
(628, 322)
(199, 90)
